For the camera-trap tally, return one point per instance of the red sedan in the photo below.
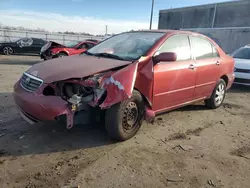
(54, 50)
(128, 78)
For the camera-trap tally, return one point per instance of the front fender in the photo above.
(119, 85)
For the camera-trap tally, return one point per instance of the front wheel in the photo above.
(123, 120)
(217, 96)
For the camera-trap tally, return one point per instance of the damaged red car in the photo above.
(54, 50)
(127, 78)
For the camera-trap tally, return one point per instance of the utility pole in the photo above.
(151, 16)
(106, 32)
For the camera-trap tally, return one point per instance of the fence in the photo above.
(13, 35)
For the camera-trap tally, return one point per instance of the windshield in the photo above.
(19, 39)
(71, 44)
(127, 46)
(243, 53)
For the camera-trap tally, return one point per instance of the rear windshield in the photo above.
(71, 44)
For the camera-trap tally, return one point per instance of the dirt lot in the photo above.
(188, 148)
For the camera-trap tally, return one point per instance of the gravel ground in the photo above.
(192, 147)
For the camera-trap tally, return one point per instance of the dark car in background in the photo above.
(55, 50)
(22, 46)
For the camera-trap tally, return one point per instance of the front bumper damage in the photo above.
(37, 107)
(113, 87)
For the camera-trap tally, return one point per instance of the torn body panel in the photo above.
(145, 79)
(119, 86)
(114, 87)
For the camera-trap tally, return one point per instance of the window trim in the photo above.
(212, 45)
(191, 54)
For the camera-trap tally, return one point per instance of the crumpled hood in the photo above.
(242, 63)
(76, 66)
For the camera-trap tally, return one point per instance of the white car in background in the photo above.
(242, 65)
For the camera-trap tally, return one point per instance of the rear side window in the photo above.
(178, 44)
(82, 46)
(89, 45)
(38, 41)
(203, 49)
(243, 53)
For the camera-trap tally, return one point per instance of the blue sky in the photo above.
(113, 12)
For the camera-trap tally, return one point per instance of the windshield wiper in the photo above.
(108, 55)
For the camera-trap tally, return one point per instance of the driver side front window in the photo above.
(178, 44)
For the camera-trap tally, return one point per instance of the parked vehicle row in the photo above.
(54, 50)
(23, 46)
(46, 49)
(126, 78)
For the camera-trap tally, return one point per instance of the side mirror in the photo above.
(165, 56)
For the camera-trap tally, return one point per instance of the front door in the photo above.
(207, 66)
(25, 46)
(174, 82)
(80, 49)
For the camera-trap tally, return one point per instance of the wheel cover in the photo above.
(10, 50)
(7, 50)
(219, 94)
(130, 117)
(61, 55)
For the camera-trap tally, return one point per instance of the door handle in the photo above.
(217, 63)
(192, 66)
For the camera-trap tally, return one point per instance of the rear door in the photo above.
(174, 82)
(207, 62)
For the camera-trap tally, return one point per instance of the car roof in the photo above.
(246, 46)
(168, 31)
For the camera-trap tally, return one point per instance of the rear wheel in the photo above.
(8, 50)
(61, 54)
(217, 96)
(123, 120)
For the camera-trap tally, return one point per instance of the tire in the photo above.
(8, 50)
(61, 54)
(217, 96)
(118, 124)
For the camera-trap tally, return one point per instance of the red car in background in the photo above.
(54, 50)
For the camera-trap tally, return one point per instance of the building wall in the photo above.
(230, 14)
(223, 22)
(228, 39)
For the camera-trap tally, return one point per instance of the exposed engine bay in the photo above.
(80, 92)
(83, 96)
